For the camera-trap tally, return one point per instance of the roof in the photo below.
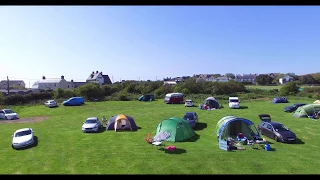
(92, 118)
(5, 109)
(274, 123)
(23, 129)
(12, 81)
(94, 77)
(191, 113)
(53, 80)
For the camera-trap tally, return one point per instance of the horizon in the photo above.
(155, 42)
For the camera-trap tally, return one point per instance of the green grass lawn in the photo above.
(63, 149)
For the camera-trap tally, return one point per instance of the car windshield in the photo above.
(22, 133)
(233, 100)
(8, 111)
(91, 121)
(280, 127)
(189, 101)
(188, 117)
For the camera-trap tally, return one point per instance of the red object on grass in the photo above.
(171, 148)
(240, 135)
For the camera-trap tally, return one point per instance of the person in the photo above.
(104, 121)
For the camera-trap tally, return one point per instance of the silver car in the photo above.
(22, 138)
(92, 124)
(8, 114)
(51, 103)
(188, 103)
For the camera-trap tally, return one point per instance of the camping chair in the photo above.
(241, 138)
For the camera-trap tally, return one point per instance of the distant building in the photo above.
(13, 84)
(99, 78)
(53, 84)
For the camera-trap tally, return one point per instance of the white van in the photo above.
(234, 103)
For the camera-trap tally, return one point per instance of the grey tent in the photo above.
(211, 102)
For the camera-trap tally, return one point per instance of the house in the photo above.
(171, 83)
(13, 84)
(222, 79)
(99, 78)
(53, 84)
(77, 84)
(285, 79)
(251, 78)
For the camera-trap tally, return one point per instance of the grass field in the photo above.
(63, 149)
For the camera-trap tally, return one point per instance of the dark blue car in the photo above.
(192, 118)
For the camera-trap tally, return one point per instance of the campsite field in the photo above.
(63, 149)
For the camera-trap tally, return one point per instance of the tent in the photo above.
(179, 129)
(231, 126)
(317, 102)
(280, 100)
(211, 102)
(306, 110)
(121, 122)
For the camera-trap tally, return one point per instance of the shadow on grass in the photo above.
(35, 144)
(176, 151)
(139, 127)
(298, 141)
(101, 130)
(194, 138)
(243, 107)
(201, 126)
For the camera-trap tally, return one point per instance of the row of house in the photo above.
(54, 83)
(250, 78)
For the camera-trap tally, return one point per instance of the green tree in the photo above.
(290, 88)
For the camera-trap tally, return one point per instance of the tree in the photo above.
(264, 79)
(290, 88)
(306, 79)
(230, 75)
(276, 80)
(316, 77)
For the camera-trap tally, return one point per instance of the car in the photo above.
(8, 114)
(91, 124)
(188, 103)
(277, 131)
(22, 138)
(192, 118)
(51, 103)
(293, 107)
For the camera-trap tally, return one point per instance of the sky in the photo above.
(154, 42)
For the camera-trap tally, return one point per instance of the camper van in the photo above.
(173, 98)
(234, 103)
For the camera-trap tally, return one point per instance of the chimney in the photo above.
(92, 72)
(101, 72)
(43, 77)
(72, 80)
(97, 72)
(62, 77)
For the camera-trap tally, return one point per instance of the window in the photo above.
(68, 86)
(269, 127)
(55, 85)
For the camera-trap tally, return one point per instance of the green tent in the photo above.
(306, 110)
(179, 129)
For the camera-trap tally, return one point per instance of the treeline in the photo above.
(131, 90)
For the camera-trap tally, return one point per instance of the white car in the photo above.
(22, 138)
(188, 103)
(92, 124)
(234, 103)
(8, 114)
(51, 103)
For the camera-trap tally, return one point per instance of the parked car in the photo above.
(188, 103)
(51, 103)
(22, 138)
(192, 118)
(293, 107)
(8, 114)
(174, 98)
(74, 101)
(91, 124)
(276, 131)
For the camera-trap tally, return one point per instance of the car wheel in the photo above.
(13, 147)
(276, 138)
(260, 131)
(6, 118)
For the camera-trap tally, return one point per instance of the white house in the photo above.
(222, 79)
(99, 78)
(171, 83)
(53, 84)
(13, 84)
(285, 79)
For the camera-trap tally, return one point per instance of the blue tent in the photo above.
(280, 100)
(231, 126)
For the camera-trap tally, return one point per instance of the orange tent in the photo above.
(122, 122)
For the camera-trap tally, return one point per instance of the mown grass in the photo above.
(63, 149)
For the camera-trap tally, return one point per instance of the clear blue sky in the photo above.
(150, 42)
